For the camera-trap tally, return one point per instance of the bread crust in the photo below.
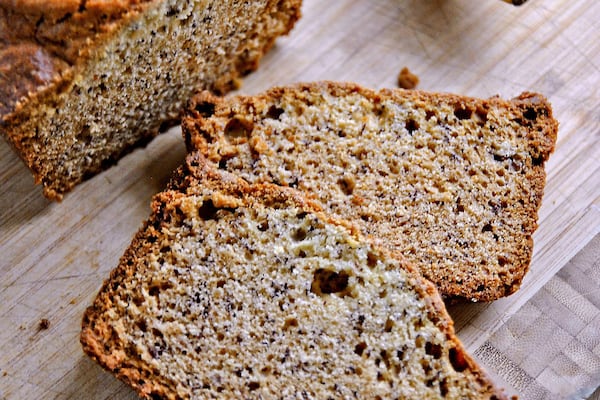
(46, 50)
(42, 42)
(102, 343)
(530, 115)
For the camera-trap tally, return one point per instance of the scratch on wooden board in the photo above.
(54, 279)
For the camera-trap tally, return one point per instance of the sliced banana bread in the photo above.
(83, 82)
(454, 183)
(235, 291)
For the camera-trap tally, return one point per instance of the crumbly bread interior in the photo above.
(239, 291)
(454, 183)
(134, 82)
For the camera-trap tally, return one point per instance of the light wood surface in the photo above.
(54, 257)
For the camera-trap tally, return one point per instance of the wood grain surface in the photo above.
(54, 257)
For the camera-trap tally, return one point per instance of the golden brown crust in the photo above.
(52, 56)
(528, 118)
(41, 41)
(197, 178)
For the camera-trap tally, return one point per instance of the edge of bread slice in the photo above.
(84, 83)
(454, 183)
(233, 290)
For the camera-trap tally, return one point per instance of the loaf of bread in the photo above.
(83, 82)
(239, 291)
(454, 183)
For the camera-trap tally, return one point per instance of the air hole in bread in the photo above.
(156, 288)
(154, 395)
(205, 109)
(360, 349)
(141, 324)
(419, 341)
(411, 125)
(347, 184)
(429, 114)
(85, 135)
(238, 129)
(531, 114)
(444, 387)
(208, 210)
(290, 322)
(389, 325)
(482, 115)
(461, 112)
(172, 11)
(487, 228)
(326, 281)
(502, 261)
(253, 385)
(138, 300)
(433, 349)
(400, 354)
(457, 359)
(263, 226)
(299, 234)
(385, 357)
(274, 112)
(371, 259)
(537, 161)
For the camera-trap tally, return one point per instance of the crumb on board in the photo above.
(407, 80)
(44, 324)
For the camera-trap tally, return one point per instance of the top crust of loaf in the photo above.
(42, 41)
(152, 322)
(83, 84)
(444, 206)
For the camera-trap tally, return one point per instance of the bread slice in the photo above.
(83, 82)
(235, 291)
(454, 183)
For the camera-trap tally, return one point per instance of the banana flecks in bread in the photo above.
(452, 182)
(262, 296)
(81, 87)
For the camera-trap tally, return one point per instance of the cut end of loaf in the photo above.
(247, 291)
(75, 113)
(454, 183)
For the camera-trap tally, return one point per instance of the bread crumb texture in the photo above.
(82, 83)
(454, 183)
(260, 296)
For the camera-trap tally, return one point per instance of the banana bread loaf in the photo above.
(239, 291)
(83, 82)
(454, 183)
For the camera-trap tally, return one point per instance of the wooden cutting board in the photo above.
(542, 342)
